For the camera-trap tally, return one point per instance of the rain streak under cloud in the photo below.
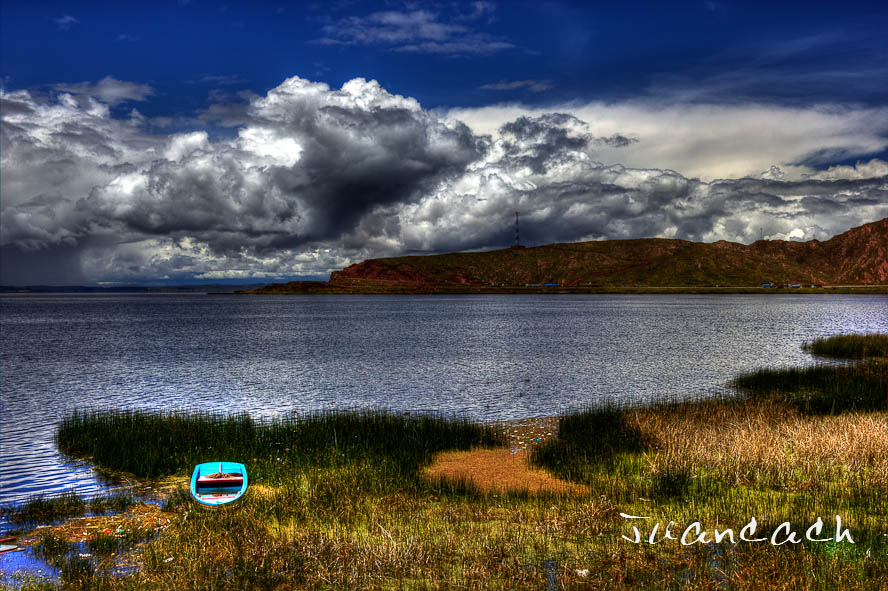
(313, 178)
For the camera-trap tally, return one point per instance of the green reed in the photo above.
(160, 444)
(822, 388)
(43, 509)
(850, 346)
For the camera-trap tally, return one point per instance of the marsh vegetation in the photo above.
(850, 346)
(342, 500)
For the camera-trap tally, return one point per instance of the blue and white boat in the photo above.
(218, 483)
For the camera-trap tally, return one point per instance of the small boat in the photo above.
(218, 483)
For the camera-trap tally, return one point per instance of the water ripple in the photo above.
(486, 358)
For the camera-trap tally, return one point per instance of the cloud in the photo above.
(65, 22)
(418, 31)
(227, 109)
(478, 10)
(873, 169)
(773, 174)
(318, 177)
(308, 165)
(393, 27)
(54, 154)
(711, 141)
(110, 90)
(469, 45)
(543, 167)
(161, 122)
(531, 85)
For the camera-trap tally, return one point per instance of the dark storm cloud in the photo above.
(317, 178)
(543, 141)
(308, 166)
(59, 265)
(355, 159)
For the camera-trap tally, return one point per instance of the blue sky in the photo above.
(697, 120)
(444, 54)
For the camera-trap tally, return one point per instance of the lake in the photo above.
(483, 357)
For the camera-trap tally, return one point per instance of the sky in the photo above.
(207, 142)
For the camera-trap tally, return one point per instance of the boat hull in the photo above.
(210, 489)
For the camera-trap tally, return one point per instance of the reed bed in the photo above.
(826, 389)
(42, 509)
(153, 445)
(45, 509)
(340, 501)
(850, 346)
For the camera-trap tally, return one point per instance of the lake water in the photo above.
(483, 357)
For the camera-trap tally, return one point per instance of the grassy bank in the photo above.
(340, 501)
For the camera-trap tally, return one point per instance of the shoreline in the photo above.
(353, 501)
(326, 289)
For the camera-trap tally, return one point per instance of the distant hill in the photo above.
(856, 257)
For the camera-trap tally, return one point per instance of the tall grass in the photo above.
(796, 444)
(153, 445)
(822, 388)
(850, 346)
(45, 509)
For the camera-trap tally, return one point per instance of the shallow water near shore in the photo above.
(483, 357)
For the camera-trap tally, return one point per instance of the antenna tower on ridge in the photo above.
(517, 241)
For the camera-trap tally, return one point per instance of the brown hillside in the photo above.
(856, 257)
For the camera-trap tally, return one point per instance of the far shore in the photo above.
(381, 287)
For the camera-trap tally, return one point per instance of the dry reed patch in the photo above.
(498, 470)
(736, 438)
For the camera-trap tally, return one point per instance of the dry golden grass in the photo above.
(506, 469)
(739, 440)
(498, 470)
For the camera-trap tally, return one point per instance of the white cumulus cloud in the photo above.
(712, 141)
